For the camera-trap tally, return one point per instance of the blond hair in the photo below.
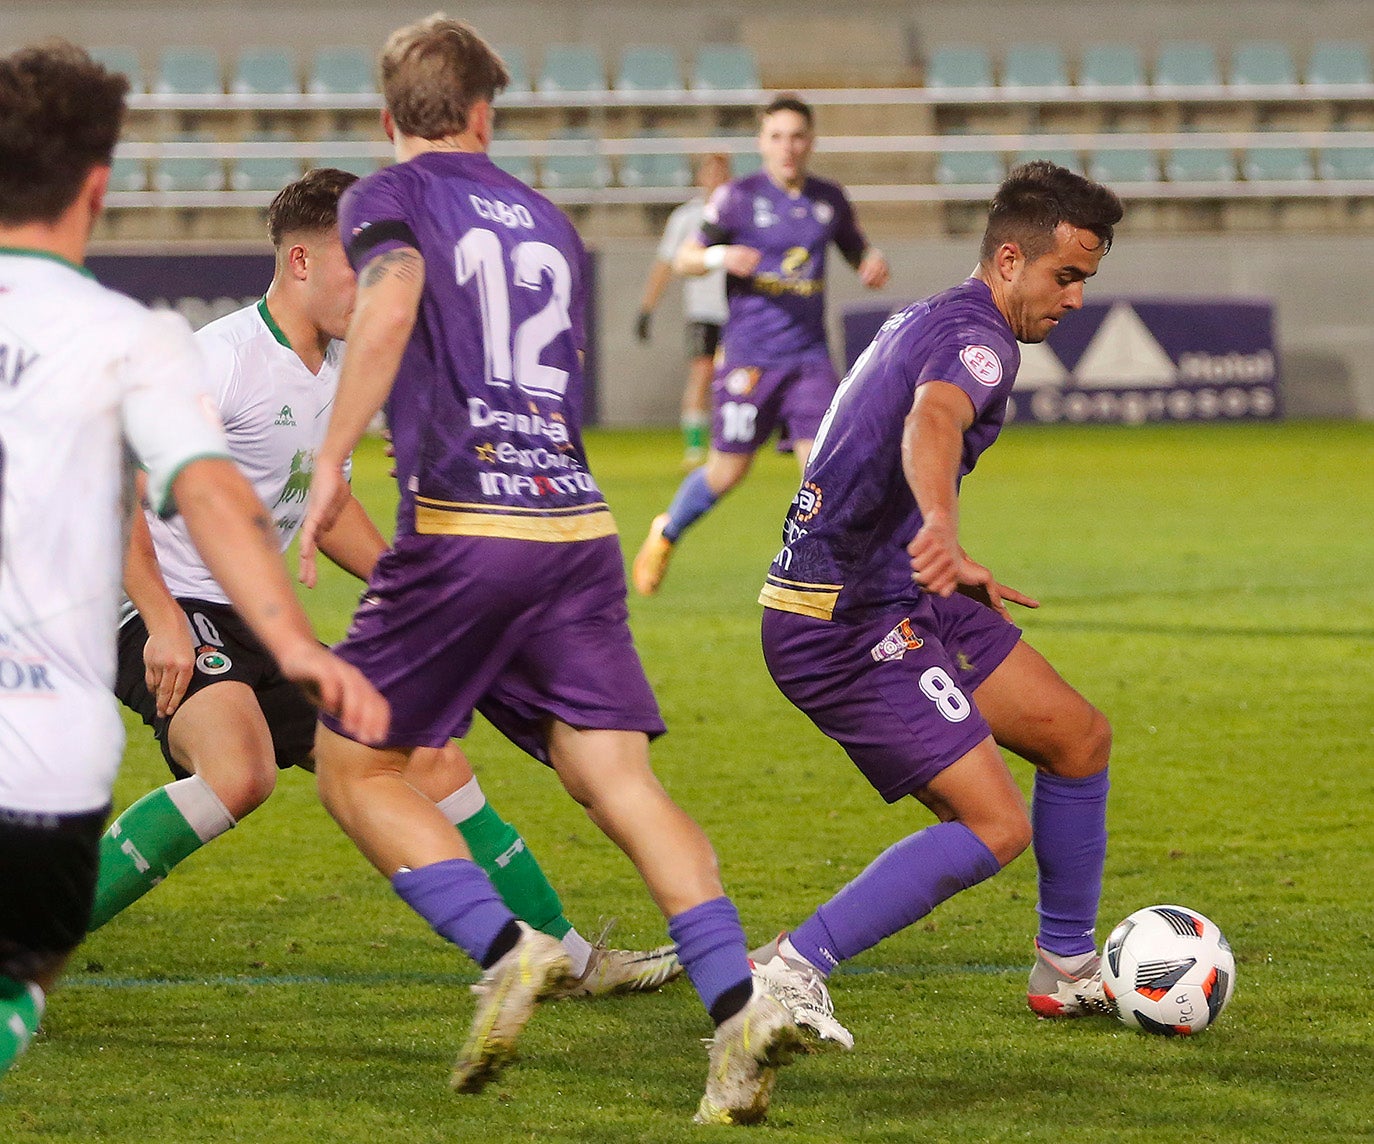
(433, 71)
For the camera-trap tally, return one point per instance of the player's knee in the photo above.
(1085, 752)
(1006, 835)
(247, 789)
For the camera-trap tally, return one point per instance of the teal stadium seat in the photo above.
(1187, 64)
(265, 71)
(1201, 165)
(969, 168)
(128, 174)
(725, 67)
(516, 65)
(1111, 65)
(572, 68)
(1339, 61)
(341, 71)
(1069, 159)
(123, 60)
(576, 172)
(1129, 166)
(189, 71)
(1034, 65)
(1347, 163)
(1277, 164)
(649, 69)
(521, 166)
(959, 67)
(1263, 64)
(255, 173)
(646, 170)
(360, 165)
(178, 174)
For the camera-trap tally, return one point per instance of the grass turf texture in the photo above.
(1207, 587)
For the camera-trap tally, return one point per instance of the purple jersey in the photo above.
(845, 537)
(486, 407)
(778, 314)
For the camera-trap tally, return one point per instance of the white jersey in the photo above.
(86, 374)
(275, 413)
(703, 296)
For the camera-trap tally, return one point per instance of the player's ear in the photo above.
(93, 190)
(296, 258)
(388, 125)
(1009, 257)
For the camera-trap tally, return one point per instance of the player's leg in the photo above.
(696, 394)
(608, 773)
(1036, 714)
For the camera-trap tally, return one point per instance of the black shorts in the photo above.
(702, 339)
(226, 649)
(48, 865)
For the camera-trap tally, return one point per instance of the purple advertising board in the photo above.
(1133, 360)
(203, 287)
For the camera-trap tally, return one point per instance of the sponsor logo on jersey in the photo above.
(212, 661)
(740, 382)
(795, 260)
(896, 643)
(285, 417)
(808, 501)
(983, 363)
(297, 486)
(15, 359)
(24, 675)
(486, 453)
(480, 415)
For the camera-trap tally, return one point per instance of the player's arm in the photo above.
(354, 542)
(694, 258)
(384, 314)
(169, 654)
(867, 260)
(932, 448)
(659, 276)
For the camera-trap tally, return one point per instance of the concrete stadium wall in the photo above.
(1323, 297)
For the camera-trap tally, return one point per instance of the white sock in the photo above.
(200, 806)
(579, 950)
(788, 952)
(463, 803)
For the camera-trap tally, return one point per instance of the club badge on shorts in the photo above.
(896, 643)
(212, 661)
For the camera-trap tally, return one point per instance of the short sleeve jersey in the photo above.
(86, 377)
(703, 295)
(778, 314)
(845, 536)
(486, 408)
(275, 412)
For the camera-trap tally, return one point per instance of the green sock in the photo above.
(147, 840)
(21, 1008)
(694, 432)
(502, 853)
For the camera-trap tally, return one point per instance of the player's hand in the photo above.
(741, 261)
(873, 269)
(642, 321)
(169, 659)
(339, 689)
(329, 493)
(936, 556)
(977, 583)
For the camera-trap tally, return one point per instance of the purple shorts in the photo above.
(749, 402)
(896, 692)
(520, 630)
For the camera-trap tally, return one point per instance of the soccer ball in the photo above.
(1169, 970)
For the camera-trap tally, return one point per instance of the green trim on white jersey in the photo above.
(48, 255)
(271, 323)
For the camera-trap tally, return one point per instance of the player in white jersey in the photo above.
(703, 300)
(86, 376)
(225, 717)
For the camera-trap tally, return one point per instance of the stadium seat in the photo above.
(128, 174)
(516, 65)
(265, 71)
(1263, 64)
(969, 167)
(1347, 163)
(359, 165)
(572, 67)
(1131, 166)
(649, 69)
(1187, 64)
(342, 71)
(584, 172)
(651, 170)
(1034, 65)
(263, 174)
(189, 71)
(1069, 159)
(178, 174)
(725, 67)
(1201, 165)
(1277, 164)
(123, 60)
(1111, 65)
(1339, 61)
(959, 67)
(521, 166)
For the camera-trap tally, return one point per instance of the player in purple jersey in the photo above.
(897, 645)
(770, 231)
(504, 590)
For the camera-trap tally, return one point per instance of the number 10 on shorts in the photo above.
(737, 421)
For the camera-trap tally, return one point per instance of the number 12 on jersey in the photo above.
(514, 359)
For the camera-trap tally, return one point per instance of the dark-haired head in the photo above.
(311, 203)
(1035, 198)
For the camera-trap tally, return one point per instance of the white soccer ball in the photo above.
(1169, 970)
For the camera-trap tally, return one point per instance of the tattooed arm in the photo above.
(388, 301)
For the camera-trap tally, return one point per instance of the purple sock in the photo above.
(711, 945)
(1069, 833)
(903, 884)
(459, 902)
(694, 500)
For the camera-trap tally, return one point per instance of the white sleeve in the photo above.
(681, 226)
(169, 418)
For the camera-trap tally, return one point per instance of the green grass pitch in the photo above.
(1208, 588)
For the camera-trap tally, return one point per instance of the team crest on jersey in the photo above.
(808, 501)
(763, 213)
(740, 382)
(896, 643)
(285, 417)
(824, 212)
(983, 363)
(212, 661)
